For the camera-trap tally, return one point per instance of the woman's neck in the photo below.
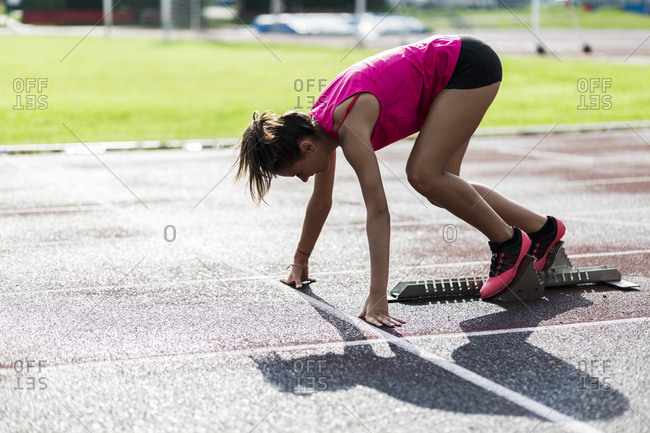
(328, 142)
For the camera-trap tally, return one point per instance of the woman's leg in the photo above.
(511, 212)
(433, 168)
(453, 117)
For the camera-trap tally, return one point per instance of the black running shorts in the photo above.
(478, 65)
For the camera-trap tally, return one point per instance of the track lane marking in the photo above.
(104, 205)
(341, 344)
(262, 277)
(544, 154)
(539, 409)
(606, 222)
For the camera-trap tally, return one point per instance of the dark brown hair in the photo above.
(270, 143)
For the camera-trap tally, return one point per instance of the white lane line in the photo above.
(103, 205)
(610, 254)
(531, 328)
(342, 344)
(218, 353)
(606, 222)
(442, 222)
(51, 209)
(263, 277)
(543, 154)
(592, 212)
(479, 263)
(520, 400)
(516, 185)
(97, 206)
(604, 181)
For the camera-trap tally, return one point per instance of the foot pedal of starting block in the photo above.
(440, 288)
(525, 285)
(561, 273)
(557, 258)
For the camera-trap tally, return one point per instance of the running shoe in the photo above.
(506, 257)
(542, 243)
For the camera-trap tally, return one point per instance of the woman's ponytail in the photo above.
(270, 143)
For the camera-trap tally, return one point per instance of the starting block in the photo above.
(527, 284)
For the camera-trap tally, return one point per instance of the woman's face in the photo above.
(314, 160)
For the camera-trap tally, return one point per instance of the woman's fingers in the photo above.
(380, 320)
(296, 281)
(305, 276)
(386, 321)
(293, 280)
(373, 321)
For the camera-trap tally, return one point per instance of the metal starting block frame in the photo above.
(527, 284)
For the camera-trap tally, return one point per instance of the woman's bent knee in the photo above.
(427, 184)
(417, 180)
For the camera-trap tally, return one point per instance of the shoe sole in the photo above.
(550, 257)
(544, 263)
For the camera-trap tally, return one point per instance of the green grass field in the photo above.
(125, 89)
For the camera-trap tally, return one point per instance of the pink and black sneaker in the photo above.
(543, 240)
(506, 257)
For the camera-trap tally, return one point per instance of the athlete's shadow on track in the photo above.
(507, 359)
(581, 389)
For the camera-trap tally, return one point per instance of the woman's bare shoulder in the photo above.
(365, 110)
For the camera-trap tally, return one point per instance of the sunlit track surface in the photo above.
(167, 317)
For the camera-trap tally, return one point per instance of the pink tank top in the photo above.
(405, 80)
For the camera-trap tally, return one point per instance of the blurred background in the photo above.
(161, 70)
(206, 14)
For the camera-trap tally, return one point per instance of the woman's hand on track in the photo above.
(375, 311)
(297, 276)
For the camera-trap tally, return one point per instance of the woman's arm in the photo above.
(318, 207)
(316, 214)
(364, 162)
(355, 136)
